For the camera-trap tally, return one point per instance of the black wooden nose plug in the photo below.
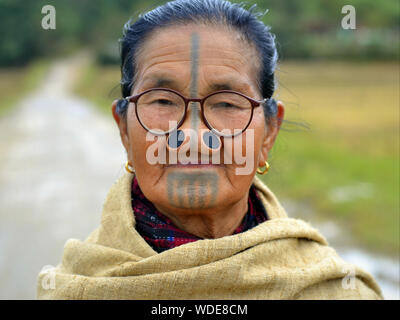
(211, 140)
(176, 138)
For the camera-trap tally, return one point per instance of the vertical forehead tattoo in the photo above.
(194, 58)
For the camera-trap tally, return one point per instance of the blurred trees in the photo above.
(304, 29)
(312, 28)
(78, 23)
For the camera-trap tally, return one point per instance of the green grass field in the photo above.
(346, 166)
(16, 82)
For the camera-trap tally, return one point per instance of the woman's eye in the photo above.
(163, 102)
(226, 105)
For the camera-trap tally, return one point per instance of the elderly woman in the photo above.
(190, 219)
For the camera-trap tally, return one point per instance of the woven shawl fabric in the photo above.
(281, 258)
(161, 233)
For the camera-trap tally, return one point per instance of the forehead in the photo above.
(221, 54)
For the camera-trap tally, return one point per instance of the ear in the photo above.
(123, 128)
(272, 130)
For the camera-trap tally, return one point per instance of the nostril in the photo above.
(211, 140)
(176, 138)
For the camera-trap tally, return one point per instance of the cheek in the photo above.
(243, 151)
(137, 138)
(143, 149)
(260, 128)
(253, 137)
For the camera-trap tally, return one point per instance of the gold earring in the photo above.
(127, 167)
(265, 170)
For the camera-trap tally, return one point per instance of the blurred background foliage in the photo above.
(343, 84)
(97, 24)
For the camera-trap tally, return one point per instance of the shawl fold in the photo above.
(281, 258)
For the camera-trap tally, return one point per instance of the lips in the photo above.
(193, 165)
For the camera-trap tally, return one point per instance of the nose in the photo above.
(209, 140)
(194, 135)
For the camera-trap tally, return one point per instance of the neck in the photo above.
(212, 224)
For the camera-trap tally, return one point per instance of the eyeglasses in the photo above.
(223, 112)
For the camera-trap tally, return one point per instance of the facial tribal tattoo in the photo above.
(193, 189)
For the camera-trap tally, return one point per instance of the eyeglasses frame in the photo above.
(254, 103)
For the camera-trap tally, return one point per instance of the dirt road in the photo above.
(58, 158)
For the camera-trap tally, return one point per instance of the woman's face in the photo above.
(196, 60)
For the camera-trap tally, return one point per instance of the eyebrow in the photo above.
(236, 85)
(220, 86)
(163, 82)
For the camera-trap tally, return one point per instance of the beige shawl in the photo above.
(282, 258)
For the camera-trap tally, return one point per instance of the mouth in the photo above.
(193, 165)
